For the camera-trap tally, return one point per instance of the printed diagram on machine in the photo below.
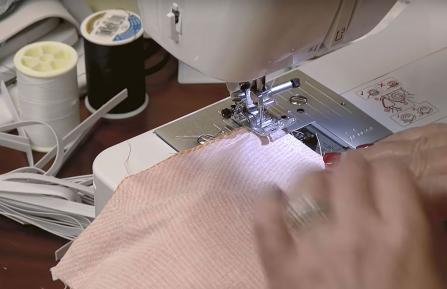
(403, 106)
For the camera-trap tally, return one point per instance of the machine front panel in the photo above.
(324, 120)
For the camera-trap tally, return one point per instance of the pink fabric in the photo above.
(187, 222)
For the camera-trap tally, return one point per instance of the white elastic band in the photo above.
(15, 114)
(56, 204)
(47, 180)
(31, 195)
(57, 163)
(84, 126)
(38, 189)
(16, 142)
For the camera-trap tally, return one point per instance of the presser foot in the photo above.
(273, 128)
(268, 126)
(252, 103)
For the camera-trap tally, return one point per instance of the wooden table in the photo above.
(27, 253)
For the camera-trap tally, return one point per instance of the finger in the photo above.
(387, 150)
(397, 195)
(440, 239)
(351, 197)
(430, 163)
(429, 166)
(405, 148)
(314, 185)
(309, 207)
(418, 132)
(275, 244)
(434, 191)
(423, 157)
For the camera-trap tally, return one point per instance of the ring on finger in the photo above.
(303, 210)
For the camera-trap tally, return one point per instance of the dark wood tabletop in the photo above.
(27, 253)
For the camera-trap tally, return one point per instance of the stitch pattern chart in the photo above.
(403, 106)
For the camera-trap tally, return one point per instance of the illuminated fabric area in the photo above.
(188, 221)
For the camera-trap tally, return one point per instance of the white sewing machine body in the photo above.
(383, 84)
(236, 41)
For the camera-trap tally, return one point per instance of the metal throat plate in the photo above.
(312, 104)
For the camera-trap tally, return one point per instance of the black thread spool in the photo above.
(114, 60)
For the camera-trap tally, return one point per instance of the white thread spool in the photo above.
(47, 90)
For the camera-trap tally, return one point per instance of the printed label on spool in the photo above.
(112, 27)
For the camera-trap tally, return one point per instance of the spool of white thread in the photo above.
(47, 90)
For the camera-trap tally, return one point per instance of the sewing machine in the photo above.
(348, 95)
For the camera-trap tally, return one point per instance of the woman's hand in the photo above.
(376, 234)
(424, 151)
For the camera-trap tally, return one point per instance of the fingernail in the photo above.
(331, 159)
(364, 146)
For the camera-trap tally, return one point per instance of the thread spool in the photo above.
(114, 60)
(47, 90)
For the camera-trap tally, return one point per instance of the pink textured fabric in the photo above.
(188, 221)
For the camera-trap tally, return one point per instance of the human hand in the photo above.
(424, 151)
(376, 234)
